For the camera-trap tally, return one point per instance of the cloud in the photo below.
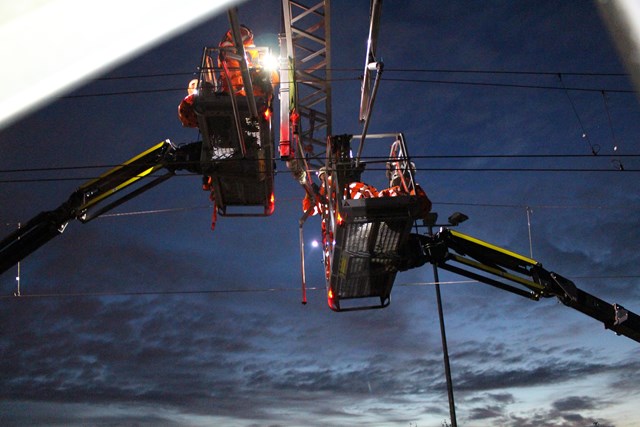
(493, 378)
(574, 403)
(485, 413)
(572, 411)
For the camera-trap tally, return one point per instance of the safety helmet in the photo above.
(192, 87)
(245, 32)
(186, 112)
(247, 35)
(322, 171)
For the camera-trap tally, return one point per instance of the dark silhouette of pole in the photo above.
(445, 350)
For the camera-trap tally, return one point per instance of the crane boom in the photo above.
(89, 200)
(506, 270)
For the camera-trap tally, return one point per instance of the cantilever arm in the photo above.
(86, 202)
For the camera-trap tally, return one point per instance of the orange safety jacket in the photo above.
(423, 200)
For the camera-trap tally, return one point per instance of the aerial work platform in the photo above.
(365, 231)
(237, 137)
(367, 251)
(238, 159)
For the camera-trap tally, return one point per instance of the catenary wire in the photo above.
(430, 169)
(364, 158)
(297, 200)
(370, 160)
(585, 135)
(400, 80)
(391, 70)
(508, 85)
(103, 294)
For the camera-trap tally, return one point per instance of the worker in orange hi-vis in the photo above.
(313, 204)
(401, 183)
(355, 190)
(230, 73)
(186, 112)
(263, 81)
(318, 203)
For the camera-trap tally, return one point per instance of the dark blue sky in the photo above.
(206, 328)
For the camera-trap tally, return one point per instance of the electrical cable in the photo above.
(58, 295)
(387, 78)
(369, 160)
(297, 200)
(616, 162)
(505, 72)
(400, 70)
(585, 135)
(507, 85)
(436, 170)
(401, 80)
(151, 293)
(452, 169)
(364, 158)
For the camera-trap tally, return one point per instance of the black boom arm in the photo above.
(506, 270)
(88, 201)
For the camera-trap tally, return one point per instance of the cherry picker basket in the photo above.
(367, 250)
(365, 236)
(237, 137)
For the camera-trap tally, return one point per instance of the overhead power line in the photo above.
(401, 80)
(387, 78)
(506, 72)
(569, 170)
(366, 159)
(399, 70)
(151, 293)
(297, 200)
(449, 169)
(183, 292)
(508, 85)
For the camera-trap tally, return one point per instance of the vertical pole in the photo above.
(17, 293)
(302, 268)
(529, 227)
(445, 350)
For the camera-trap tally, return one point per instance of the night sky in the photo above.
(146, 317)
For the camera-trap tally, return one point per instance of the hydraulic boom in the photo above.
(89, 200)
(509, 271)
